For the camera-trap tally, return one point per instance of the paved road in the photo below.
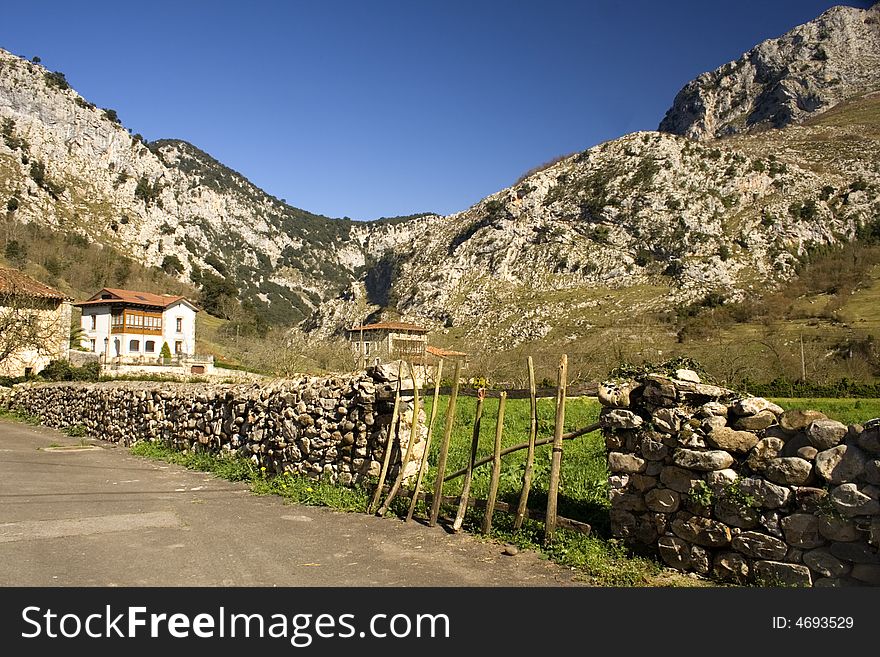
(103, 517)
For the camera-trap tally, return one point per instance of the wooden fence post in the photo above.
(530, 457)
(556, 462)
(424, 464)
(444, 448)
(389, 444)
(468, 475)
(496, 467)
(414, 433)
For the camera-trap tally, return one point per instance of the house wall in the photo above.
(101, 330)
(57, 320)
(187, 335)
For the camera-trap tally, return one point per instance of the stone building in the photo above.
(388, 341)
(34, 324)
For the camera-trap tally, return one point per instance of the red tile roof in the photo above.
(391, 326)
(132, 297)
(17, 283)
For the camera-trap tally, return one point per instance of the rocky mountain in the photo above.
(707, 210)
(782, 81)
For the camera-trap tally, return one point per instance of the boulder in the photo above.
(841, 464)
(757, 422)
(701, 531)
(731, 440)
(754, 405)
(788, 471)
(702, 461)
(825, 434)
(801, 530)
(849, 501)
(619, 418)
(625, 463)
(759, 546)
(796, 420)
(776, 573)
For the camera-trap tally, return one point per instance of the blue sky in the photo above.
(381, 108)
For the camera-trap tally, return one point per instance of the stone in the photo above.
(614, 395)
(510, 550)
(796, 419)
(619, 418)
(825, 434)
(675, 552)
(659, 391)
(718, 480)
(687, 375)
(849, 501)
(757, 422)
(764, 493)
(776, 573)
(871, 472)
(626, 463)
(822, 562)
(802, 530)
(810, 499)
(808, 452)
(713, 423)
(626, 501)
(855, 551)
(699, 559)
(759, 546)
(735, 515)
(869, 440)
(654, 450)
(730, 566)
(618, 481)
(835, 528)
(731, 440)
(703, 461)
(662, 500)
(654, 468)
(788, 471)
(678, 479)
(794, 443)
(701, 531)
(642, 483)
(841, 464)
(831, 582)
(763, 452)
(754, 405)
(713, 409)
(867, 573)
(666, 420)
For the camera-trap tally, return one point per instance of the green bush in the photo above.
(62, 370)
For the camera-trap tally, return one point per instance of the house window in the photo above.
(178, 347)
(134, 346)
(94, 345)
(116, 320)
(150, 346)
(179, 321)
(94, 319)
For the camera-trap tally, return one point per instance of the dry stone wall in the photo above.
(738, 489)
(332, 427)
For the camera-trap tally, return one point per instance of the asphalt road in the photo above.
(103, 517)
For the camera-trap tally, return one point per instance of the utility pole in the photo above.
(803, 361)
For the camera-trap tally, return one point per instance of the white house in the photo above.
(127, 325)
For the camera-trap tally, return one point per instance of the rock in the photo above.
(666, 420)
(713, 423)
(703, 461)
(837, 529)
(776, 573)
(822, 562)
(795, 443)
(662, 500)
(788, 471)
(802, 530)
(796, 420)
(808, 452)
(626, 463)
(510, 550)
(654, 450)
(831, 582)
(720, 479)
(642, 483)
(849, 501)
(764, 494)
(734, 515)
(699, 559)
(759, 546)
(840, 464)
(618, 481)
(659, 391)
(732, 441)
(701, 531)
(871, 473)
(730, 566)
(618, 418)
(754, 405)
(687, 375)
(763, 452)
(675, 552)
(713, 409)
(855, 551)
(869, 440)
(757, 422)
(626, 501)
(825, 434)
(678, 479)
(868, 573)
(614, 395)
(810, 499)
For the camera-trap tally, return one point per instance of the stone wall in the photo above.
(317, 426)
(738, 489)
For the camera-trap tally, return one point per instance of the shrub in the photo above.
(56, 80)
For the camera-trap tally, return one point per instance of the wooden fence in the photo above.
(434, 499)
